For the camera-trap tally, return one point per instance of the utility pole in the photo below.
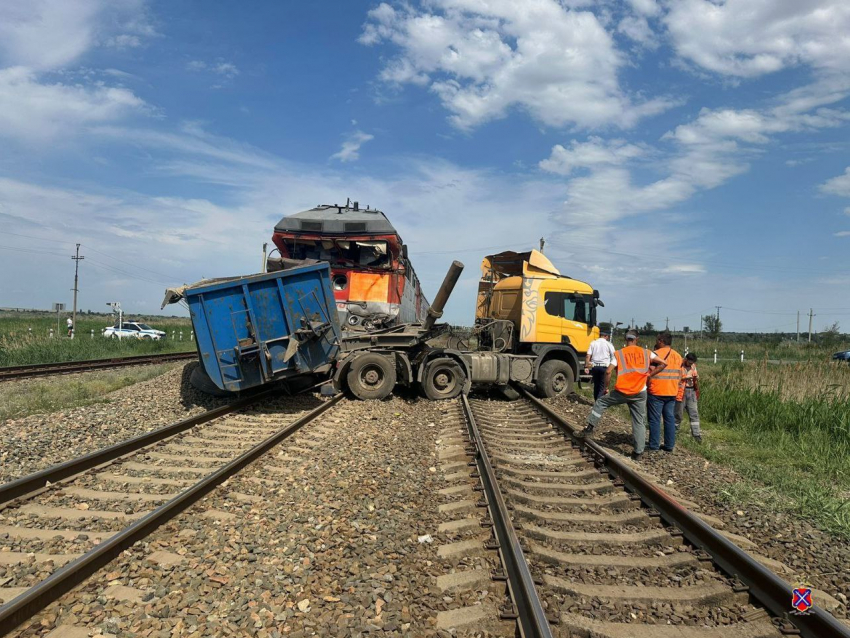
(542, 243)
(798, 326)
(810, 324)
(666, 323)
(718, 312)
(77, 260)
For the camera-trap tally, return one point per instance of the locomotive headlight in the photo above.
(340, 282)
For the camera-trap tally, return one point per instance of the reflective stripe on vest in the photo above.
(666, 382)
(632, 369)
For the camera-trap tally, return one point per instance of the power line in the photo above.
(100, 252)
(94, 262)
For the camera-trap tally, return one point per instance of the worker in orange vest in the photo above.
(634, 365)
(663, 388)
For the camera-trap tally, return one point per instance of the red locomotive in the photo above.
(374, 282)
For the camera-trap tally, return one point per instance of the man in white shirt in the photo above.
(599, 356)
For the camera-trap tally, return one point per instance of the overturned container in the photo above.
(257, 329)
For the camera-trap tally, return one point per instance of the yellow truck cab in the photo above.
(527, 308)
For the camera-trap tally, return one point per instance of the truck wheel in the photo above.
(371, 376)
(443, 379)
(554, 378)
(201, 381)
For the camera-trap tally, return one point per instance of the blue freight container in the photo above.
(261, 328)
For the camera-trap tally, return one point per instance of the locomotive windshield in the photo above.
(341, 252)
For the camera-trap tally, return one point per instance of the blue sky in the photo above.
(677, 154)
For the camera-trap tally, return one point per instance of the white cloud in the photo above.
(37, 111)
(685, 269)
(645, 7)
(350, 150)
(50, 34)
(843, 233)
(227, 70)
(839, 185)
(748, 38)
(483, 58)
(637, 28)
(704, 154)
(39, 40)
(593, 153)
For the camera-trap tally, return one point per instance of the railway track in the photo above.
(45, 369)
(590, 547)
(65, 523)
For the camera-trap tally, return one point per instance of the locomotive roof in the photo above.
(336, 220)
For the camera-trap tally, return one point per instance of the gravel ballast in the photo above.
(813, 556)
(323, 536)
(35, 442)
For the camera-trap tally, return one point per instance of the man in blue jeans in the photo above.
(661, 395)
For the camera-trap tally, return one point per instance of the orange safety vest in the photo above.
(666, 382)
(632, 369)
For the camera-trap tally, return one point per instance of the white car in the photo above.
(133, 330)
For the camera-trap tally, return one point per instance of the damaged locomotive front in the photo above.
(374, 283)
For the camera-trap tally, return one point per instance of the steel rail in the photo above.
(531, 617)
(67, 367)
(62, 581)
(767, 588)
(38, 480)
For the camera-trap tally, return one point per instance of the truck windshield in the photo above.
(371, 254)
(561, 304)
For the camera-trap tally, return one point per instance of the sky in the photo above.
(676, 154)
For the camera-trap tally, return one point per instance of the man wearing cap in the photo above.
(635, 365)
(600, 355)
(661, 402)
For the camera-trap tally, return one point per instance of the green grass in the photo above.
(786, 430)
(25, 339)
(18, 400)
(790, 439)
(756, 351)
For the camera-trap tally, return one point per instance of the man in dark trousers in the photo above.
(663, 388)
(600, 355)
(634, 366)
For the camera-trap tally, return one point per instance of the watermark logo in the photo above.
(801, 600)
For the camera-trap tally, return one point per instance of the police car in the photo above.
(133, 330)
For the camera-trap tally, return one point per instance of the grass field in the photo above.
(759, 351)
(25, 338)
(65, 392)
(786, 427)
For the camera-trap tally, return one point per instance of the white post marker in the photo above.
(181, 335)
(715, 355)
(742, 356)
(192, 335)
(51, 333)
(92, 333)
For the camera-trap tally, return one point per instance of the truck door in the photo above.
(576, 320)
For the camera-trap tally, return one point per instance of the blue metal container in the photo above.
(260, 328)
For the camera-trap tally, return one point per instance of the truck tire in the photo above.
(201, 381)
(443, 379)
(554, 378)
(371, 376)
